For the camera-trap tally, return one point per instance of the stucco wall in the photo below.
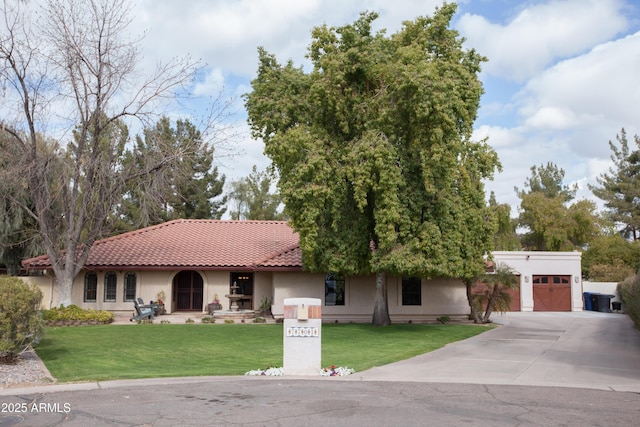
(609, 288)
(46, 285)
(528, 264)
(439, 297)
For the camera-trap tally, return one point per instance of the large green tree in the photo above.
(548, 181)
(620, 187)
(252, 198)
(611, 258)
(551, 221)
(505, 238)
(377, 170)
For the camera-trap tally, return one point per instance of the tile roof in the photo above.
(196, 244)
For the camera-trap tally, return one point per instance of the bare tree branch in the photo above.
(78, 65)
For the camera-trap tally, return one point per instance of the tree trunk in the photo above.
(473, 313)
(381, 304)
(491, 303)
(65, 287)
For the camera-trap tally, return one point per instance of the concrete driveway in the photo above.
(574, 349)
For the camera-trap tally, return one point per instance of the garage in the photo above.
(551, 281)
(551, 293)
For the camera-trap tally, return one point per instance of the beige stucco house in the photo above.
(190, 263)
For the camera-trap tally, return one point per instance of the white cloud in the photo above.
(571, 84)
(541, 33)
(593, 96)
(499, 137)
(551, 118)
(225, 34)
(211, 85)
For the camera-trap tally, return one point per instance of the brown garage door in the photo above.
(551, 293)
(514, 294)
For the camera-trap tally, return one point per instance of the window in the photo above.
(541, 280)
(90, 287)
(412, 291)
(333, 289)
(110, 284)
(130, 287)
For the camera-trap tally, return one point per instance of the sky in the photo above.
(561, 81)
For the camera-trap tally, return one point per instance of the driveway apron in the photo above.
(573, 349)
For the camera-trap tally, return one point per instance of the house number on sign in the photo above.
(297, 331)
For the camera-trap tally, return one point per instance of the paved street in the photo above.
(327, 402)
(537, 369)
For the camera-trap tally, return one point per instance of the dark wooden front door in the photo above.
(551, 293)
(187, 290)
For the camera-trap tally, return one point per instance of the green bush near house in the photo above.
(629, 291)
(75, 313)
(20, 320)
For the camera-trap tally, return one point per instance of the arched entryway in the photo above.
(187, 291)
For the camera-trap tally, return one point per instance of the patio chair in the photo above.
(157, 311)
(142, 311)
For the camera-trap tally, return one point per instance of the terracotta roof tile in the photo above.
(202, 244)
(289, 257)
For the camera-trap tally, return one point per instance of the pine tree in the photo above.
(620, 187)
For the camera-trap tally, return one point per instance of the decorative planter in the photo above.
(214, 306)
(158, 309)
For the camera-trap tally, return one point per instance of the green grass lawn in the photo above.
(98, 353)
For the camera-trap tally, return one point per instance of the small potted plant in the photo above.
(159, 304)
(215, 305)
(265, 307)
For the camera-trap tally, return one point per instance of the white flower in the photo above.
(272, 372)
(278, 372)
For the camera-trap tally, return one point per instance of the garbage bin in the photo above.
(587, 301)
(616, 306)
(594, 301)
(604, 303)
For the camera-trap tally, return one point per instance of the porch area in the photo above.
(182, 317)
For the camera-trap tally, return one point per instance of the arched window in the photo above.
(129, 287)
(110, 286)
(90, 287)
(334, 289)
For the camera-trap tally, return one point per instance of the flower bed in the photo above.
(338, 371)
(331, 371)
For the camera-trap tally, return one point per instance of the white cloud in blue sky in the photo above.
(561, 81)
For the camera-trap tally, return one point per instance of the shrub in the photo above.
(444, 319)
(629, 291)
(20, 319)
(73, 312)
(610, 272)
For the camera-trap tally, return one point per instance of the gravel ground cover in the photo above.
(27, 371)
